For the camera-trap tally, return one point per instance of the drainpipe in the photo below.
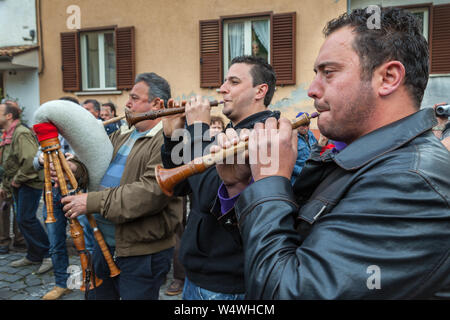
(349, 5)
(39, 36)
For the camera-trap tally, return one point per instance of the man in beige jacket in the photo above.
(137, 220)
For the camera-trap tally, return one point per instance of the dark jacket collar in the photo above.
(250, 121)
(385, 139)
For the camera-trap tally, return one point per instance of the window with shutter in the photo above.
(98, 59)
(267, 35)
(247, 36)
(70, 61)
(210, 54)
(283, 47)
(440, 39)
(125, 57)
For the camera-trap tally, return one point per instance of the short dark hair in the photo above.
(158, 86)
(217, 119)
(398, 38)
(261, 72)
(94, 102)
(69, 98)
(11, 108)
(112, 106)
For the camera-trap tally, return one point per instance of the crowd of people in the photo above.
(360, 212)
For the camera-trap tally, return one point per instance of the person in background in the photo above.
(216, 126)
(306, 140)
(18, 241)
(24, 185)
(93, 106)
(108, 111)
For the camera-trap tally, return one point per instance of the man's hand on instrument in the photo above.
(41, 159)
(272, 151)
(69, 156)
(75, 205)
(237, 175)
(72, 165)
(198, 109)
(175, 121)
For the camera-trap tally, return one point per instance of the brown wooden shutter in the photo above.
(283, 47)
(70, 53)
(125, 58)
(210, 54)
(440, 44)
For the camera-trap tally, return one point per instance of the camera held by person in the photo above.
(443, 110)
(442, 130)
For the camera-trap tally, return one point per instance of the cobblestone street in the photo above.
(23, 284)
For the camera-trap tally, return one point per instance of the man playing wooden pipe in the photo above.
(137, 220)
(373, 221)
(211, 250)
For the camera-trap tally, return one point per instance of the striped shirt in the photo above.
(112, 179)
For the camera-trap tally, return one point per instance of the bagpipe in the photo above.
(88, 139)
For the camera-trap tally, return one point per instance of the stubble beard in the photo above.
(358, 112)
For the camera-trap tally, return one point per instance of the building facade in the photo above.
(93, 49)
(19, 54)
(435, 18)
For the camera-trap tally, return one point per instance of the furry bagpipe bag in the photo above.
(85, 135)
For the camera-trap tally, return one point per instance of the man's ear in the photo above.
(261, 91)
(158, 103)
(8, 116)
(389, 77)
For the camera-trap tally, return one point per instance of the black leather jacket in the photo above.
(372, 222)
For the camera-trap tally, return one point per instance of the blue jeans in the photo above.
(193, 292)
(57, 236)
(26, 201)
(140, 277)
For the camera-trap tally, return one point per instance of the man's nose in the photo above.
(223, 88)
(315, 91)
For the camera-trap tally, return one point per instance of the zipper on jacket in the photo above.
(320, 212)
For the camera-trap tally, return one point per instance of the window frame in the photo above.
(237, 17)
(419, 7)
(101, 59)
(247, 28)
(125, 51)
(283, 48)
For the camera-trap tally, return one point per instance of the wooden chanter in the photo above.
(168, 178)
(47, 135)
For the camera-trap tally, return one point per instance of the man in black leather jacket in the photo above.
(373, 221)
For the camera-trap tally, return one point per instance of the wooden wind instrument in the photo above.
(48, 139)
(133, 118)
(112, 120)
(168, 178)
(114, 271)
